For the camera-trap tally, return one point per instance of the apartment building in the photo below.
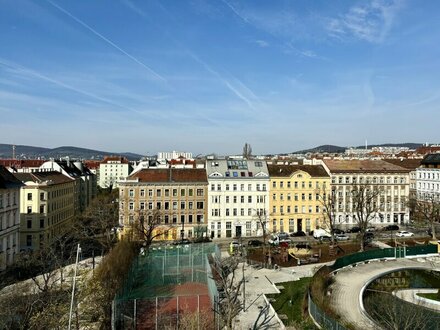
(47, 207)
(9, 217)
(113, 169)
(85, 180)
(411, 164)
(428, 177)
(295, 196)
(177, 196)
(391, 180)
(237, 197)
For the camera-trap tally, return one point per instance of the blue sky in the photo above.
(209, 75)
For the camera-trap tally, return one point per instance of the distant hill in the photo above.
(328, 148)
(324, 148)
(30, 152)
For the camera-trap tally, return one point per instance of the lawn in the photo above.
(433, 296)
(292, 301)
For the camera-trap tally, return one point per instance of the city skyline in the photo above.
(208, 76)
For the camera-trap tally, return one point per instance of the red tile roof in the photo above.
(21, 163)
(39, 177)
(107, 159)
(171, 175)
(410, 164)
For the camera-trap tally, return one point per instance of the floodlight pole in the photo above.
(78, 250)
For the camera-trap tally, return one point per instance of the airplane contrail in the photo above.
(111, 43)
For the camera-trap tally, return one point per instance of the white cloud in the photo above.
(369, 21)
(262, 43)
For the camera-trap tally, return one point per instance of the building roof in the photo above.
(7, 179)
(236, 168)
(363, 166)
(52, 177)
(119, 159)
(431, 159)
(410, 164)
(21, 163)
(288, 170)
(169, 175)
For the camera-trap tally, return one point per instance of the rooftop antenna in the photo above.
(13, 151)
(366, 144)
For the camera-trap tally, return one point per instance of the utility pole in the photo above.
(78, 250)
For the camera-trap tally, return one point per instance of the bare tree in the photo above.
(148, 226)
(264, 319)
(230, 284)
(328, 206)
(247, 151)
(365, 206)
(427, 211)
(392, 313)
(261, 217)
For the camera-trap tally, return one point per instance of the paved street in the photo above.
(410, 295)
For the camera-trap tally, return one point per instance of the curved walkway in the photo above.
(410, 295)
(350, 283)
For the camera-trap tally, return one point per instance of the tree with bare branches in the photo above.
(247, 151)
(147, 226)
(328, 206)
(365, 207)
(230, 284)
(426, 210)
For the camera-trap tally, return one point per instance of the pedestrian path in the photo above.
(350, 282)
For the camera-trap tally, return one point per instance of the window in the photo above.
(227, 199)
(158, 205)
(190, 192)
(131, 193)
(41, 223)
(29, 196)
(142, 193)
(29, 209)
(288, 184)
(167, 192)
(142, 206)
(234, 212)
(150, 192)
(219, 186)
(235, 199)
(190, 205)
(242, 199)
(41, 208)
(234, 187)
(159, 193)
(174, 192)
(227, 187)
(190, 218)
(303, 197)
(182, 205)
(182, 192)
(28, 240)
(274, 184)
(42, 196)
(249, 199)
(281, 184)
(199, 205)
(227, 212)
(242, 212)
(29, 224)
(199, 192)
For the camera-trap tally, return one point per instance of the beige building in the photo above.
(294, 197)
(47, 208)
(9, 217)
(177, 196)
(393, 181)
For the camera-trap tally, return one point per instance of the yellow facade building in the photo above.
(47, 206)
(177, 197)
(294, 197)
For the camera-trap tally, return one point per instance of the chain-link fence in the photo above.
(169, 288)
(321, 318)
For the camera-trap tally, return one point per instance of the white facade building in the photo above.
(112, 170)
(238, 190)
(174, 155)
(9, 217)
(428, 178)
(392, 180)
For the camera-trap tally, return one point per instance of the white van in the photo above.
(321, 233)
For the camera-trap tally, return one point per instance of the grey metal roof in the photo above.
(236, 169)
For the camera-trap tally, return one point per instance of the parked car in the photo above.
(298, 234)
(202, 240)
(371, 229)
(391, 227)
(283, 235)
(255, 242)
(182, 242)
(277, 239)
(342, 237)
(321, 233)
(404, 233)
(354, 230)
(338, 231)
